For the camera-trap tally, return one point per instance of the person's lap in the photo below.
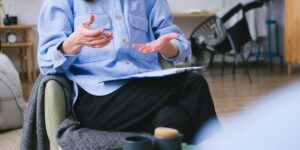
(181, 101)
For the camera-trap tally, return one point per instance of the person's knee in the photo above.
(197, 79)
(174, 117)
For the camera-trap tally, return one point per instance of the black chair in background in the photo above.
(211, 36)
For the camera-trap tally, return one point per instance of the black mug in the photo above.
(137, 143)
(13, 20)
(170, 143)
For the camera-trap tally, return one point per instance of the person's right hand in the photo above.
(85, 36)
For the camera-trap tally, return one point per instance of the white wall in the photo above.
(27, 12)
(183, 5)
(188, 24)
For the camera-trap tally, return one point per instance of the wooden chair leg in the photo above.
(290, 69)
(223, 64)
(246, 67)
(211, 59)
(234, 64)
(29, 65)
(22, 63)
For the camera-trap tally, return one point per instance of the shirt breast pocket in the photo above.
(139, 27)
(140, 35)
(89, 54)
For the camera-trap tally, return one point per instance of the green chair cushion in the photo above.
(165, 64)
(55, 109)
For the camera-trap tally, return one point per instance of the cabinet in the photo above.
(292, 33)
(25, 47)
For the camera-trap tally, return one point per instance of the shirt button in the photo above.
(118, 17)
(126, 62)
(124, 42)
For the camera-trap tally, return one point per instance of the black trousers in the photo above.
(181, 101)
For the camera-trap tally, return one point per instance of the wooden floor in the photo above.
(230, 94)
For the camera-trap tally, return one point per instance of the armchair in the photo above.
(55, 108)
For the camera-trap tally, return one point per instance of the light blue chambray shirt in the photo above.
(97, 70)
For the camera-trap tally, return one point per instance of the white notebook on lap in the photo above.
(166, 72)
(160, 73)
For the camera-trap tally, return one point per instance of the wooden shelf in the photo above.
(18, 44)
(27, 56)
(192, 15)
(16, 27)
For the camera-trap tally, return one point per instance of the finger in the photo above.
(99, 33)
(93, 33)
(144, 47)
(96, 42)
(140, 47)
(107, 34)
(90, 20)
(143, 50)
(147, 49)
(150, 47)
(103, 36)
(137, 46)
(100, 46)
(90, 39)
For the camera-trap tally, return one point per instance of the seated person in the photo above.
(97, 42)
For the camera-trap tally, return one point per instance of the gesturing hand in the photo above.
(159, 44)
(84, 35)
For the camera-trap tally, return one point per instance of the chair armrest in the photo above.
(55, 109)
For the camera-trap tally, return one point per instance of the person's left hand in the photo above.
(157, 45)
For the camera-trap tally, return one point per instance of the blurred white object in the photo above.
(271, 124)
(12, 103)
(256, 19)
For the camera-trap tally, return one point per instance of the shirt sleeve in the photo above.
(54, 26)
(162, 23)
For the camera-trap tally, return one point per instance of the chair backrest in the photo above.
(210, 32)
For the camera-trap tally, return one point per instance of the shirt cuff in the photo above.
(63, 60)
(180, 57)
